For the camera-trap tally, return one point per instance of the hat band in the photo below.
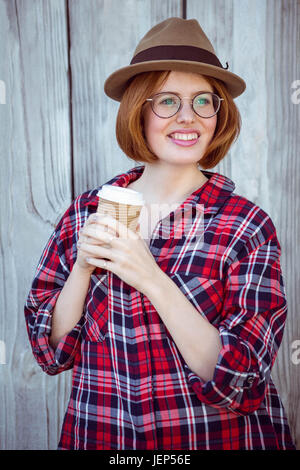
(186, 53)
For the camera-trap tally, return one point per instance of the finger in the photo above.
(92, 219)
(98, 235)
(97, 251)
(84, 238)
(87, 239)
(101, 263)
(118, 227)
(91, 241)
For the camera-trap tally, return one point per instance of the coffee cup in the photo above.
(123, 204)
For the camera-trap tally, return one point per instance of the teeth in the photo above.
(179, 136)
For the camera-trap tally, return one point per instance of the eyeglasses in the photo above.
(165, 105)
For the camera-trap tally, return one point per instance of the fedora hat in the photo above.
(174, 44)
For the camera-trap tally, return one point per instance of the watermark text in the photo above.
(295, 356)
(295, 97)
(181, 223)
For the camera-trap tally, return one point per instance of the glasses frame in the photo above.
(191, 100)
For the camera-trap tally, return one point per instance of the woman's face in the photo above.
(159, 132)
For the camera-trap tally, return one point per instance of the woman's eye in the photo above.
(202, 101)
(167, 101)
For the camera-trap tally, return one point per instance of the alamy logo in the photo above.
(295, 356)
(182, 223)
(296, 94)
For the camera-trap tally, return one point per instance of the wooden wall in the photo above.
(57, 139)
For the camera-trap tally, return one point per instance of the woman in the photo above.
(171, 338)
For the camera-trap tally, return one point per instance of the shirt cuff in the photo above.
(236, 383)
(54, 361)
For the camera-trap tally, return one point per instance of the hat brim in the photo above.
(117, 82)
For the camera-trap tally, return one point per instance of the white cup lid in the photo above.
(122, 195)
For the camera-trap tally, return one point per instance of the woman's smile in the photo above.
(184, 137)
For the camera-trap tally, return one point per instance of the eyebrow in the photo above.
(197, 92)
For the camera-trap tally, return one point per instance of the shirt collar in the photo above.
(212, 195)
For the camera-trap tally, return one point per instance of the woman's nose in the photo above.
(186, 113)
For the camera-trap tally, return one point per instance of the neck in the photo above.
(162, 183)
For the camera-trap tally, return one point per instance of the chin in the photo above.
(180, 160)
(186, 157)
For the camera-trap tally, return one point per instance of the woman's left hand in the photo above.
(111, 245)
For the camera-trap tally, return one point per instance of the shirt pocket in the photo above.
(96, 309)
(205, 293)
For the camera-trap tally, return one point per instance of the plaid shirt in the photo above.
(131, 387)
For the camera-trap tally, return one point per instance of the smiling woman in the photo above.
(172, 343)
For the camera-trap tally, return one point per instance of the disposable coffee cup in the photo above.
(123, 204)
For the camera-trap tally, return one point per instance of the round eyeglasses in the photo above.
(165, 105)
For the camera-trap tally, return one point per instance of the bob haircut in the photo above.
(130, 123)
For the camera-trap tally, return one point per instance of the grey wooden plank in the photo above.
(260, 40)
(283, 176)
(35, 190)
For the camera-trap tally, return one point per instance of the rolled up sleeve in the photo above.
(51, 274)
(251, 328)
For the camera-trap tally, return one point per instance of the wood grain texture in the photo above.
(261, 41)
(35, 191)
(57, 139)
(283, 176)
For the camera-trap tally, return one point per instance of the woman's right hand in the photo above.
(81, 253)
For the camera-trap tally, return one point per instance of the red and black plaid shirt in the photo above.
(131, 388)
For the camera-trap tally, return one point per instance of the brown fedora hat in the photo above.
(174, 44)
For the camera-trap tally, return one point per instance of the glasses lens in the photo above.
(165, 104)
(206, 104)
